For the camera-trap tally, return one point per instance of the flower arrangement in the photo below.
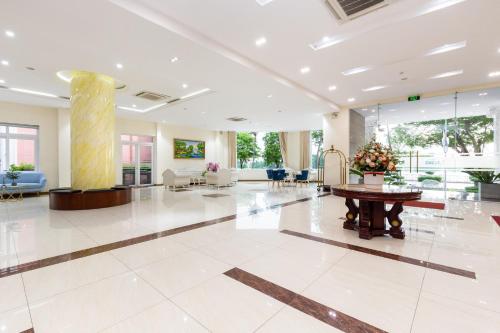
(211, 167)
(374, 157)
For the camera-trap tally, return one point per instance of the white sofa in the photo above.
(220, 178)
(170, 178)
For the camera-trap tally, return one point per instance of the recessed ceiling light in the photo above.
(305, 70)
(352, 99)
(374, 88)
(483, 94)
(447, 48)
(325, 42)
(5, 62)
(263, 2)
(119, 66)
(269, 96)
(10, 33)
(356, 70)
(447, 74)
(2, 81)
(261, 41)
(498, 50)
(33, 92)
(174, 59)
(184, 85)
(422, 111)
(373, 110)
(134, 106)
(494, 74)
(475, 105)
(332, 88)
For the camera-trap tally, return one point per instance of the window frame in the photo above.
(8, 136)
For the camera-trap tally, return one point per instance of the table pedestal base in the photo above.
(372, 215)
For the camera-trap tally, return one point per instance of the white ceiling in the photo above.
(215, 42)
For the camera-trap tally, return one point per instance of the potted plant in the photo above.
(488, 189)
(13, 175)
(211, 167)
(372, 161)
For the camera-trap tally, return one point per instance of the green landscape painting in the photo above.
(189, 149)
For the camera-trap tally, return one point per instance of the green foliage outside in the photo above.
(246, 148)
(272, 150)
(22, 167)
(317, 140)
(487, 177)
(394, 178)
(466, 135)
(430, 177)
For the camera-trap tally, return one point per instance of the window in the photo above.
(316, 147)
(258, 150)
(18, 146)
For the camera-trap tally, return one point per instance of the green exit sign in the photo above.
(414, 98)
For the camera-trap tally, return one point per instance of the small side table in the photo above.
(8, 193)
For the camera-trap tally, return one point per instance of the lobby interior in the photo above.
(259, 166)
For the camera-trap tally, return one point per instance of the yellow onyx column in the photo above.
(92, 131)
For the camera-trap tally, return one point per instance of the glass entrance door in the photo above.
(137, 160)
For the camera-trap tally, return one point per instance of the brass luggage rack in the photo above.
(321, 168)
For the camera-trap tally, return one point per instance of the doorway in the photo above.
(137, 160)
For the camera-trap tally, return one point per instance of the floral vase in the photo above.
(374, 178)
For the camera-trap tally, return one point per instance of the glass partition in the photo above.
(438, 138)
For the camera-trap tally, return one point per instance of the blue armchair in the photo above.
(28, 181)
(279, 176)
(303, 177)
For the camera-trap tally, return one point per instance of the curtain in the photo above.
(305, 150)
(284, 148)
(231, 148)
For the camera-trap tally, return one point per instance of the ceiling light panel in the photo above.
(356, 70)
(305, 70)
(263, 2)
(325, 42)
(374, 88)
(494, 74)
(447, 48)
(448, 74)
(33, 92)
(261, 41)
(10, 33)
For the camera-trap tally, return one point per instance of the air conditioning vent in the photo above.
(151, 96)
(346, 10)
(237, 119)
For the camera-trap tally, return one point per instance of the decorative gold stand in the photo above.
(321, 169)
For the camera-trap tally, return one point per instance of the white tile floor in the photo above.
(175, 284)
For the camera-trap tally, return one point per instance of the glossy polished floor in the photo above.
(247, 259)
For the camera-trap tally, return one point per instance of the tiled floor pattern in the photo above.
(177, 283)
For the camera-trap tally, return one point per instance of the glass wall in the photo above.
(316, 147)
(439, 138)
(18, 146)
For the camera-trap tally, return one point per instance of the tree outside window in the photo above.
(247, 148)
(317, 146)
(272, 151)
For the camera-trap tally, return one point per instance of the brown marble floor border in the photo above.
(32, 265)
(387, 255)
(30, 330)
(306, 305)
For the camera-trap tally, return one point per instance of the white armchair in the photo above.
(170, 178)
(220, 178)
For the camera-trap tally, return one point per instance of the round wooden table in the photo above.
(371, 210)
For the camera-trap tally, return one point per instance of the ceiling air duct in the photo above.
(346, 10)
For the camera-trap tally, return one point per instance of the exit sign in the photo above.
(414, 98)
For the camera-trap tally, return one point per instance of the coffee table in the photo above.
(371, 210)
(8, 193)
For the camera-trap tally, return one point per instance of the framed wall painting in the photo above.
(189, 149)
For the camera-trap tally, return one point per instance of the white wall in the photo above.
(64, 139)
(46, 119)
(336, 133)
